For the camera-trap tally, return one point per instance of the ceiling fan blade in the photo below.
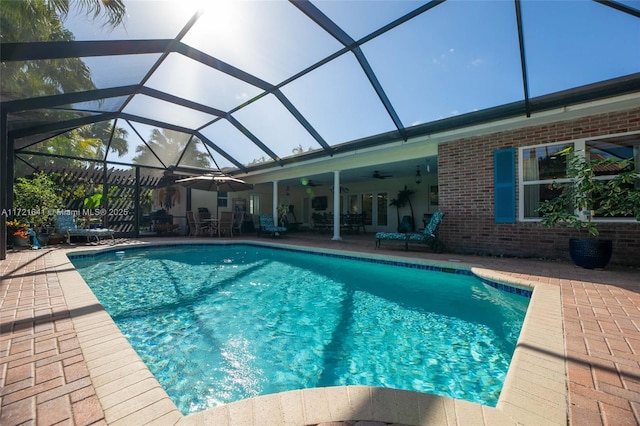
(309, 182)
(378, 175)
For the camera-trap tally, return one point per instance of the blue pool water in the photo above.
(216, 324)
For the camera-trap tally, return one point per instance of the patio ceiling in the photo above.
(251, 86)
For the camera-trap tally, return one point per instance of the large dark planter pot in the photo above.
(405, 225)
(55, 239)
(20, 242)
(590, 253)
(43, 238)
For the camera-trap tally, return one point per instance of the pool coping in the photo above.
(534, 392)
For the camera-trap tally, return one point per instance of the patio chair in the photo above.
(66, 225)
(210, 223)
(428, 237)
(238, 218)
(225, 224)
(322, 222)
(268, 227)
(352, 222)
(196, 227)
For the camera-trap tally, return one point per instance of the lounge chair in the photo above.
(66, 225)
(268, 227)
(428, 237)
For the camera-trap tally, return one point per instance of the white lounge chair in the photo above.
(66, 225)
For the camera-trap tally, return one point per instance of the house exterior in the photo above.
(466, 182)
(351, 120)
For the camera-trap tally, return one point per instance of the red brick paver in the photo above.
(43, 376)
(603, 355)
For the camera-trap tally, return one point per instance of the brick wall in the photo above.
(465, 178)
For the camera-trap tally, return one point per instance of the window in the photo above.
(254, 204)
(223, 199)
(352, 204)
(541, 166)
(617, 148)
(320, 203)
(367, 208)
(382, 209)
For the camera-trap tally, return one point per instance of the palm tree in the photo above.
(58, 148)
(87, 142)
(35, 20)
(114, 10)
(168, 146)
(40, 20)
(101, 133)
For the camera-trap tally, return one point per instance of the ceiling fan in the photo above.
(309, 182)
(379, 175)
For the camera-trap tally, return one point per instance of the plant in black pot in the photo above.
(587, 197)
(405, 195)
(36, 199)
(404, 198)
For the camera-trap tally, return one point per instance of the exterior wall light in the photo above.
(418, 176)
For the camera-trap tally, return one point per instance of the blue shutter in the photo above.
(504, 185)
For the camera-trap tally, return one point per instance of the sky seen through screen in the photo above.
(458, 57)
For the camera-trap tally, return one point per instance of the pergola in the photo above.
(253, 87)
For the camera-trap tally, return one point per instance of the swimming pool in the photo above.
(216, 324)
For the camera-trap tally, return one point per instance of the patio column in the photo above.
(275, 202)
(336, 206)
(136, 197)
(6, 176)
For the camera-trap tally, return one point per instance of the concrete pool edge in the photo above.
(534, 392)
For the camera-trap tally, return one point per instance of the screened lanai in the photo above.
(277, 90)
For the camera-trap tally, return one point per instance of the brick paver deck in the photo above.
(44, 378)
(602, 338)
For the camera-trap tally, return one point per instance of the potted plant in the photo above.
(36, 200)
(404, 198)
(17, 231)
(404, 195)
(587, 197)
(283, 209)
(55, 239)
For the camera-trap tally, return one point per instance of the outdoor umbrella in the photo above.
(218, 183)
(215, 183)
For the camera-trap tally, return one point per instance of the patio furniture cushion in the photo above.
(398, 236)
(429, 236)
(432, 226)
(66, 225)
(267, 226)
